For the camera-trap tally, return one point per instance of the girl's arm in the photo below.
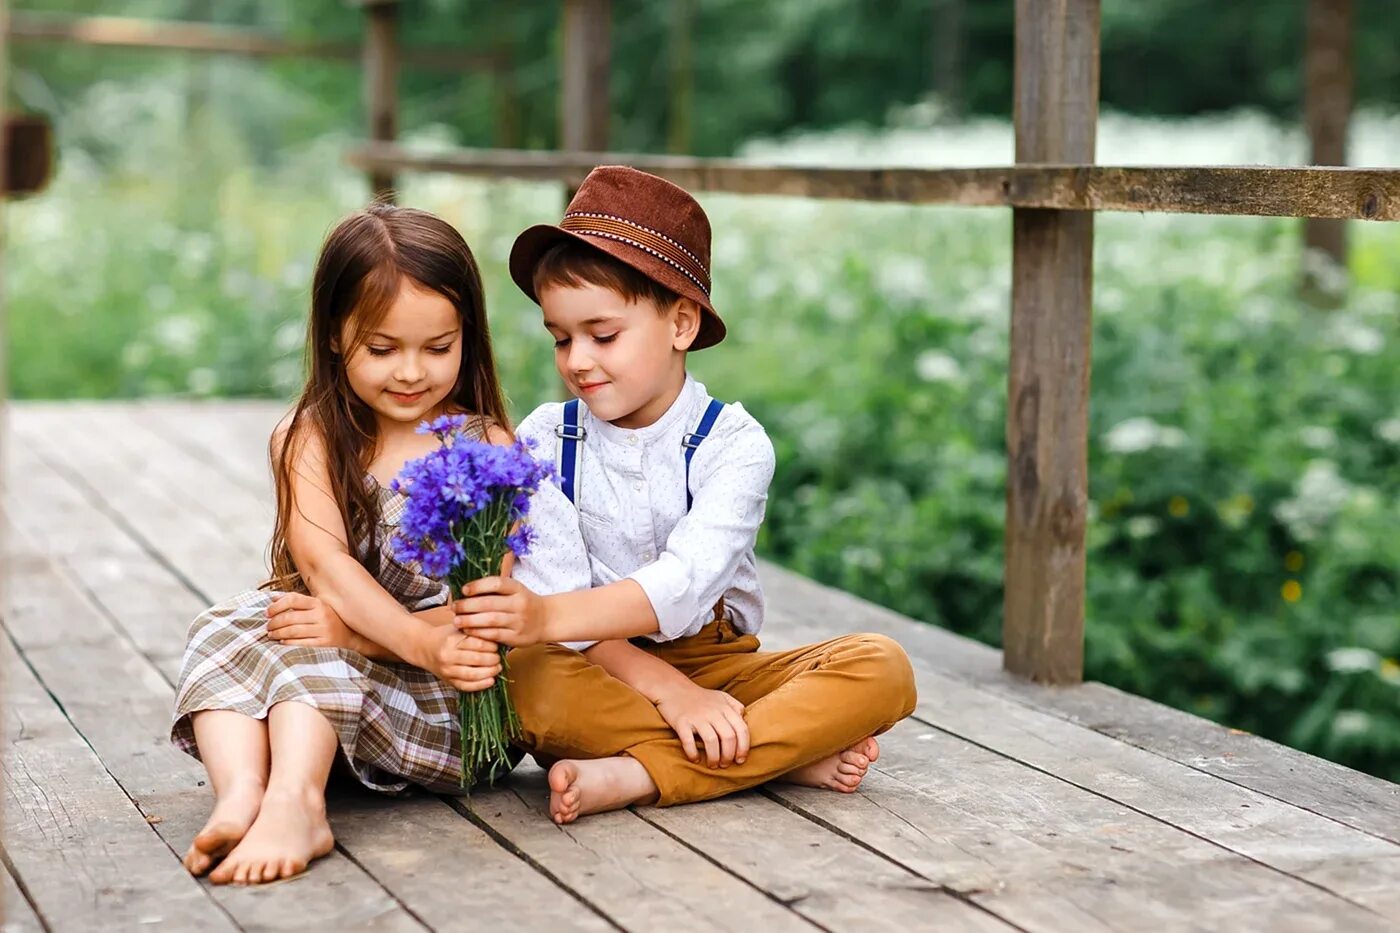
(319, 545)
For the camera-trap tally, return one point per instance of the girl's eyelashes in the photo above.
(385, 351)
(561, 343)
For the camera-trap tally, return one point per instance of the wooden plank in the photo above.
(1359, 867)
(381, 76)
(825, 877)
(18, 913)
(696, 838)
(1046, 855)
(415, 853)
(1327, 105)
(584, 104)
(121, 705)
(134, 33)
(87, 857)
(633, 873)
(1354, 193)
(1361, 801)
(1047, 419)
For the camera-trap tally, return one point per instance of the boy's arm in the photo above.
(712, 716)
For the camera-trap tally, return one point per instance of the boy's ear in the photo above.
(687, 323)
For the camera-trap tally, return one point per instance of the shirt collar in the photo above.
(679, 414)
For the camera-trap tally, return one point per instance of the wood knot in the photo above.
(1137, 194)
(1371, 205)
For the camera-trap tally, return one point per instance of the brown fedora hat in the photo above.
(642, 221)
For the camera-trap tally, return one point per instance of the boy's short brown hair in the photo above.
(570, 263)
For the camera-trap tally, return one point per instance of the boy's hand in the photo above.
(503, 611)
(464, 661)
(299, 619)
(712, 715)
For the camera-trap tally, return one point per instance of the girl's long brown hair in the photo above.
(358, 274)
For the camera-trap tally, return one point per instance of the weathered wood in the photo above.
(1360, 867)
(381, 66)
(18, 913)
(87, 857)
(28, 155)
(585, 104)
(1046, 855)
(415, 854)
(1363, 802)
(1047, 420)
(133, 33)
(633, 873)
(122, 707)
(822, 875)
(1363, 194)
(1327, 104)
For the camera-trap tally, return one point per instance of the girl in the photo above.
(346, 653)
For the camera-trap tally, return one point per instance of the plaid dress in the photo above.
(397, 723)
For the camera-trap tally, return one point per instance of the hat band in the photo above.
(650, 241)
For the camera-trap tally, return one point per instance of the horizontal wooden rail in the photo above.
(1351, 193)
(126, 32)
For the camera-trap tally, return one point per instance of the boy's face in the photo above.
(408, 365)
(626, 360)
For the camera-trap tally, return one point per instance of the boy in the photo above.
(670, 488)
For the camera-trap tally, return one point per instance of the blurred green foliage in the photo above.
(760, 68)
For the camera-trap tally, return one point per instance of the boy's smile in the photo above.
(625, 359)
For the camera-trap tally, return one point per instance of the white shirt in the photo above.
(630, 494)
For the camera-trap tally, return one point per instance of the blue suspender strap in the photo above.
(569, 433)
(692, 441)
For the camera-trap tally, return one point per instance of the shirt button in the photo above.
(637, 486)
(648, 555)
(632, 439)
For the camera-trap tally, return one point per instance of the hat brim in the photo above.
(531, 246)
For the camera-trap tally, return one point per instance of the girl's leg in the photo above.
(291, 828)
(235, 753)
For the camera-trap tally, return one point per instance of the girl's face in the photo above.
(408, 366)
(625, 359)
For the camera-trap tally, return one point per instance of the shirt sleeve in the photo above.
(730, 474)
(557, 561)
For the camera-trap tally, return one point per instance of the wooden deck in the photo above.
(998, 806)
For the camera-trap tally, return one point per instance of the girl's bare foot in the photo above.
(842, 771)
(234, 811)
(290, 831)
(577, 788)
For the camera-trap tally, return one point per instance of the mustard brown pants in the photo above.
(800, 705)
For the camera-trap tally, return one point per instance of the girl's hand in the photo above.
(501, 610)
(712, 715)
(464, 661)
(299, 619)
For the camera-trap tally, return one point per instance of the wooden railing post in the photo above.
(584, 103)
(1057, 92)
(381, 83)
(1327, 99)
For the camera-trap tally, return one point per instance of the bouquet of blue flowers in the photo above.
(464, 499)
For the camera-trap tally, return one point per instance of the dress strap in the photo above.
(693, 439)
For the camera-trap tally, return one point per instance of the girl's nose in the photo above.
(410, 369)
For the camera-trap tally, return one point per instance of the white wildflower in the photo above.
(1352, 660)
(1139, 434)
(1143, 526)
(1389, 430)
(1351, 722)
(1318, 496)
(935, 366)
(1318, 437)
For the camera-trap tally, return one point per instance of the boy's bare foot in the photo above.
(577, 788)
(234, 811)
(842, 771)
(290, 831)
